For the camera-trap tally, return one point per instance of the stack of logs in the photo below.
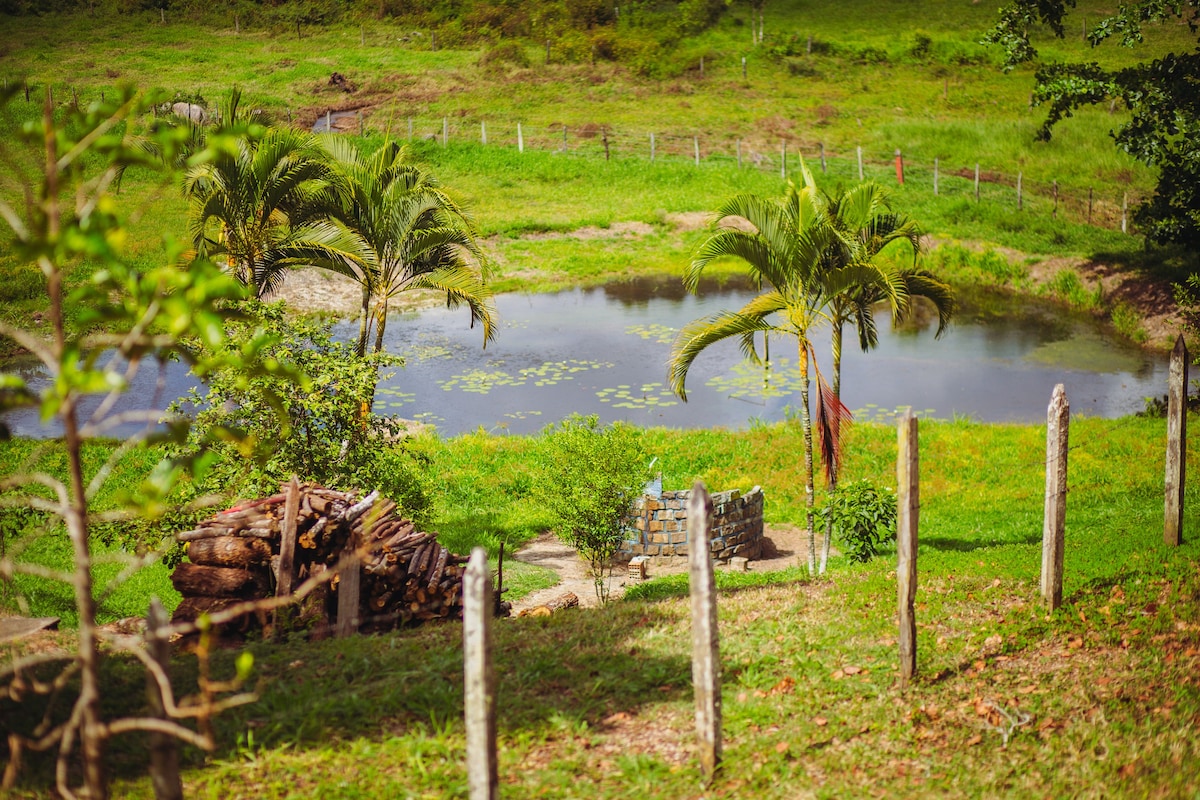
(399, 574)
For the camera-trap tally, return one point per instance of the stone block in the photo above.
(655, 526)
(681, 549)
(659, 538)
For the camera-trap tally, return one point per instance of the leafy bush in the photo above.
(863, 518)
(506, 53)
(326, 432)
(588, 481)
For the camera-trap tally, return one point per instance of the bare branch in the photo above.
(127, 724)
(29, 342)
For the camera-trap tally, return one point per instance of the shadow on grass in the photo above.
(550, 671)
(970, 545)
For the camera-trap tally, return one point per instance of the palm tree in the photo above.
(784, 246)
(866, 232)
(411, 235)
(264, 203)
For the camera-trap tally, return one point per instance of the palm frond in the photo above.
(830, 420)
(699, 334)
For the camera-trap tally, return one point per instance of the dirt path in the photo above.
(783, 547)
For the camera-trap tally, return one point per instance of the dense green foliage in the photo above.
(862, 516)
(588, 479)
(1163, 128)
(320, 431)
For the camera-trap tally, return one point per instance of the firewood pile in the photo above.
(403, 575)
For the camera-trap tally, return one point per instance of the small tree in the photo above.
(863, 517)
(99, 334)
(589, 478)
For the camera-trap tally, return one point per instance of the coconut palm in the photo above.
(411, 234)
(867, 233)
(784, 246)
(264, 203)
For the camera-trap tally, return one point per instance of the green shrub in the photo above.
(863, 518)
(588, 481)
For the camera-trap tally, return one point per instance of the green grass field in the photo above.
(1099, 696)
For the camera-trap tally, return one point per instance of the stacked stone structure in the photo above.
(658, 525)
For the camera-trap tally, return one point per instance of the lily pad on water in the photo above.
(754, 381)
(1086, 351)
(662, 334)
(649, 395)
(549, 373)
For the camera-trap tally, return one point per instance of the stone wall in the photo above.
(658, 525)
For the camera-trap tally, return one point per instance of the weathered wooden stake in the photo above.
(821, 145)
(976, 181)
(908, 505)
(652, 147)
(706, 660)
(604, 141)
(860, 169)
(696, 148)
(783, 160)
(1089, 206)
(1177, 382)
(164, 748)
(445, 131)
(479, 680)
(483, 132)
(701, 66)
(520, 139)
(237, 25)
(1124, 213)
(1019, 206)
(899, 167)
(564, 138)
(287, 539)
(743, 68)
(1054, 190)
(348, 591)
(547, 51)
(329, 122)
(1057, 424)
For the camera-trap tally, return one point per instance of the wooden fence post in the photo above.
(445, 131)
(1089, 205)
(1054, 190)
(604, 141)
(1057, 424)
(860, 169)
(1176, 444)
(908, 504)
(1125, 213)
(935, 177)
(739, 153)
(706, 661)
(652, 147)
(783, 160)
(976, 181)
(1019, 206)
(328, 121)
(520, 139)
(483, 132)
(743, 68)
(899, 167)
(696, 147)
(564, 137)
(287, 539)
(479, 680)
(821, 145)
(164, 748)
(361, 129)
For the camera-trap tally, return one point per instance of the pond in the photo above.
(604, 351)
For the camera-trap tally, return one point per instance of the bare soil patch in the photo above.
(783, 546)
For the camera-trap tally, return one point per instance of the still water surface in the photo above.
(604, 351)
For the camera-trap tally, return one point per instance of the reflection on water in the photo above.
(604, 351)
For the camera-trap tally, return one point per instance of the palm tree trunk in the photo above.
(364, 312)
(833, 467)
(806, 426)
(380, 323)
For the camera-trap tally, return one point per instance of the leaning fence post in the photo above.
(164, 748)
(908, 504)
(479, 680)
(706, 661)
(1057, 424)
(1176, 444)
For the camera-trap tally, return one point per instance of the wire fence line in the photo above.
(1105, 207)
